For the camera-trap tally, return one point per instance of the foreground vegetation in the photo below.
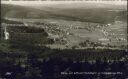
(32, 62)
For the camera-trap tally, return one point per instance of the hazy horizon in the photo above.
(28, 3)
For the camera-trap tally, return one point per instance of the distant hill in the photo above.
(91, 12)
(84, 13)
(16, 11)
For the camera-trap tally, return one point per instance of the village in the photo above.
(69, 34)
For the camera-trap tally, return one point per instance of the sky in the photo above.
(58, 2)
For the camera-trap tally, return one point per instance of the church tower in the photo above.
(4, 34)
